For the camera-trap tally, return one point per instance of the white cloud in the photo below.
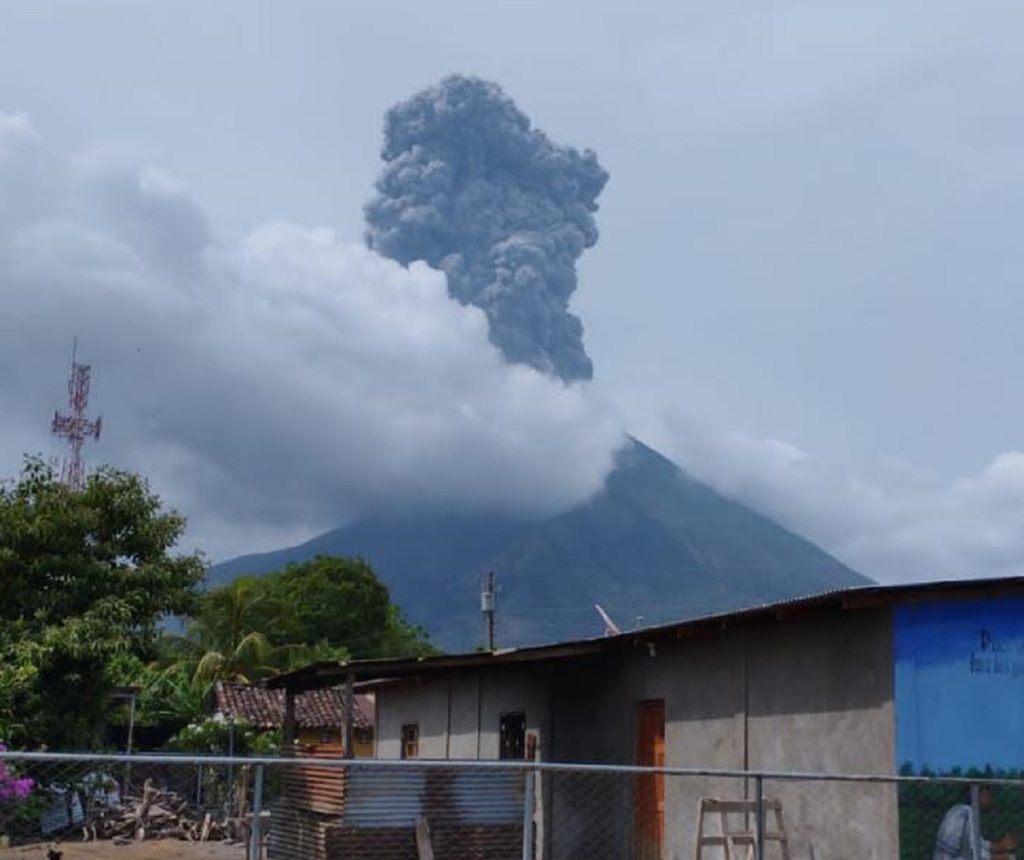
(289, 382)
(276, 387)
(14, 129)
(897, 524)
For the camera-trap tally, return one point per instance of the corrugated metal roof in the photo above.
(396, 798)
(861, 597)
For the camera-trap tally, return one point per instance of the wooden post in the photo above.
(528, 811)
(349, 708)
(256, 831)
(424, 848)
(288, 739)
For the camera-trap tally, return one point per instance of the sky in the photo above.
(805, 288)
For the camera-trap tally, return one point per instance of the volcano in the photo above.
(653, 545)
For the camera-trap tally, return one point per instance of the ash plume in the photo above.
(274, 386)
(472, 189)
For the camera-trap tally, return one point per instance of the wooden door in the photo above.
(649, 813)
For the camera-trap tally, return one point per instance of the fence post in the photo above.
(230, 799)
(256, 831)
(128, 746)
(528, 804)
(975, 821)
(759, 796)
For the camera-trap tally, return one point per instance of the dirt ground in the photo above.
(156, 849)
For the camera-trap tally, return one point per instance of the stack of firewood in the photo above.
(157, 814)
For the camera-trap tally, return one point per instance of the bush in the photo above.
(15, 792)
(213, 737)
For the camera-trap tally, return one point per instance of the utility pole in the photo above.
(487, 606)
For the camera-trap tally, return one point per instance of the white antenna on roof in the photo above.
(610, 627)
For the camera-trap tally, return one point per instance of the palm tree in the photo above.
(240, 633)
(227, 639)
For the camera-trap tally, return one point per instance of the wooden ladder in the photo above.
(733, 841)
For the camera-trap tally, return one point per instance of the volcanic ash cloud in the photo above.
(472, 189)
(271, 387)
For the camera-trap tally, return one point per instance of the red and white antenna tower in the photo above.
(73, 425)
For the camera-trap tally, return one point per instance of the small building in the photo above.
(872, 680)
(319, 714)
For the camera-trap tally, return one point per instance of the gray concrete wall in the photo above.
(594, 719)
(821, 700)
(465, 717)
(425, 704)
(509, 692)
(460, 717)
(809, 694)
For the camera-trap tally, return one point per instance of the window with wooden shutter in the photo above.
(411, 740)
(512, 733)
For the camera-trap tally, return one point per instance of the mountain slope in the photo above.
(654, 543)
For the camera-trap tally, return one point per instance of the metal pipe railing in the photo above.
(503, 764)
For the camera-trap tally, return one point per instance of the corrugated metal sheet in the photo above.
(391, 798)
(310, 799)
(449, 841)
(322, 813)
(385, 798)
(490, 798)
(316, 789)
(295, 833)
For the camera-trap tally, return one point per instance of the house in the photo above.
(319, 714)
(868, 680)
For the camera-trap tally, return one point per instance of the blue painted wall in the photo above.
(960, 685)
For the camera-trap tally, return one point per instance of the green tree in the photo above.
(325, 609)
(168, 694)
(88, 574)
(240, 633)
(337, 600)
(402, 639)
(227, 616)
(342, 603)
(230, 632)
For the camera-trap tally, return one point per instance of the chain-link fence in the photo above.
(68, 807)
(117, 800)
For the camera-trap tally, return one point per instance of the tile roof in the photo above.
(314, 709)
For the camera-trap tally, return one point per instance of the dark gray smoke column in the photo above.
(472, 189)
